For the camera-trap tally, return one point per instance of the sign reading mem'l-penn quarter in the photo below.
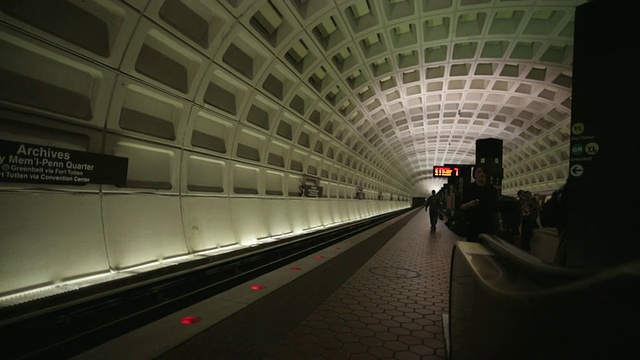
(31, 163)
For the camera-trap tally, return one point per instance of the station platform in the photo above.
(399, 290)
(382, 294)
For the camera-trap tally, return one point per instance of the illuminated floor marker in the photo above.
(319, 257)
(189, 320)
(296, 268)
(257, 287)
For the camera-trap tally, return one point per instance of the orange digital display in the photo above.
(446, 171)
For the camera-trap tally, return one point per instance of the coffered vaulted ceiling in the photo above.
(418, 82)
(384, 88)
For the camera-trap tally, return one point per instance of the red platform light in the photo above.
(257, 287)
(296, 268)
(319, 257)
(189, 320)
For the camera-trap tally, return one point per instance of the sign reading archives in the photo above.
(30, 163)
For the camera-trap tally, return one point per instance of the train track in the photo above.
(64, 325)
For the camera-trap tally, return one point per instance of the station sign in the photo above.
(312, 190)
(30, 163)
(446, 171)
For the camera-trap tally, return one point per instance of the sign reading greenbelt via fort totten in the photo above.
(31, 163)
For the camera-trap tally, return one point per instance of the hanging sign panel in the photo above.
(31, 163)
(446, 171)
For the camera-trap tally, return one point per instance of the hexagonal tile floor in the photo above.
(382, 299)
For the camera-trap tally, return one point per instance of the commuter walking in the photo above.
(479, 203)
(433, 204)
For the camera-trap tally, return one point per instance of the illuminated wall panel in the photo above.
(152, 167)
(99, 30)
(204, 175)
(207, 223)
(209, 132)
(324, 208)
(32, 82)
(222, 92)
(313, 212)
(276, 216)
(159, 58)
(244, 180)
(142, 228)
(201, 24)
(48, 238)
(140, 111)
(297, 215)
(274, 183)
(249, 221)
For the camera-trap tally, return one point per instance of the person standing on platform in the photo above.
(479, 203)
(555, 213)
(529, 216)
(433, 204)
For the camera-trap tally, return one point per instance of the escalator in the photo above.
(507, 304)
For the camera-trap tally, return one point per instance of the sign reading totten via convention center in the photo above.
(30, 163)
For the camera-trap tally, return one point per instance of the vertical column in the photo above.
(489, 155)
(604, 152)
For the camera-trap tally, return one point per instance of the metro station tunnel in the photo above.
(247, 179)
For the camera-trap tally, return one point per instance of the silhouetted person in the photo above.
(529, 216)
(554, 213)
(479, 202)
(433, 203)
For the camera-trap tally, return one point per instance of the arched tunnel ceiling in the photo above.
(421, 81)
(393, 86)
